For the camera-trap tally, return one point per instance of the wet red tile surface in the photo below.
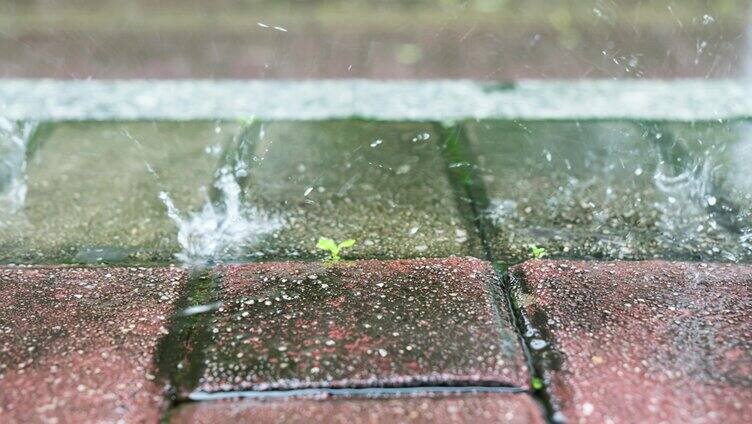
(77, 345)
(643, 341)
(361, 324)
(487, 408)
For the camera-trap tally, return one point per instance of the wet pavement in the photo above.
(359, 180)
(613, 190)
(377, 341)
(154, 192)
(78, 344)
(358, 325)
(640, 341)
(94, 192)
(442, 185)
(408, 331)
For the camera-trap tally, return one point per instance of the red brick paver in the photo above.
(361, 324)
(643, 341)
(77, 345)
(480, 409)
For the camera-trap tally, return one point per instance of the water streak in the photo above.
(14, 137)
(227, 224)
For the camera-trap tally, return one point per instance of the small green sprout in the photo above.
(536, 383)
(334, 248)
(538, 252)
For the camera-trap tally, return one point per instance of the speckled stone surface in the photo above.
(487, 408)
(77, 345)
(93, 191)
(615, 189)
(643, 341)
(360, 324)
(383, 184)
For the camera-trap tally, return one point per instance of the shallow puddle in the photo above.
(198, 192)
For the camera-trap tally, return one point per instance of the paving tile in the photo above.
(360, 324)
(78, 345)
(382, 184)
(642, 341)
(93, 190)
(491, 408)
(615, 190)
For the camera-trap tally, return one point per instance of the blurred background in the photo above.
(386, 39)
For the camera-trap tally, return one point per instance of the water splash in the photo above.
(700, 207)
(227, 224)
(219, 230)
(14, 137)
(683, 218)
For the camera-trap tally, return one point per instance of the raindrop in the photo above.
(421, 137)
(538, 344)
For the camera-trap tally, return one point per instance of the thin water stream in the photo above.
(14, 137)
